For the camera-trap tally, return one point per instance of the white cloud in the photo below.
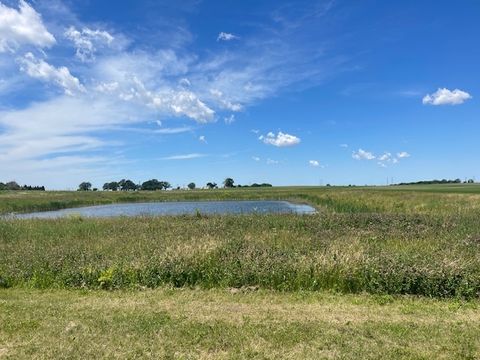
(169, 131)
(446, 97)
(385, 157)
(344, 145)
(177, 102)
(40, 69)
(59, 128)
(256, 158)
(229, 119)
(202, 138)
(187, 103)
(280, 140)
(271, 162)
(22, 27)
(223, 36)
(184, 156)
(87, 42)
(403, 154)
(226, 104)
(363, 155)
(314, 163)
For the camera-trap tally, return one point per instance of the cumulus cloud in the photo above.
(40, 69)
(314, 163)
(280, 140)
(444, 96)
(403, 154)
(388, 158)
(176, 102)
(224, 36)
(271, 162)
(256, 158)
(363, 155)
(385, 157)
(202, 139)
(87, 41)
(22, 27)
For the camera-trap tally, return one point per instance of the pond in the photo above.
(174, 208)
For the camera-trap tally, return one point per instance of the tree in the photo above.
(165, 185)
(127, 185)
(85, 186)
(113, 186)
(211, 185)
(152, 185)
(228, 183)
(191, 186)
(12, 185)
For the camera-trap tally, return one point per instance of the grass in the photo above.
(223, 324)
(400, 199)
(393, 254)
(375, 241)
(377, 273)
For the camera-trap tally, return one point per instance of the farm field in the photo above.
(393, 272)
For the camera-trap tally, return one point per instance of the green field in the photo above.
(385, 272)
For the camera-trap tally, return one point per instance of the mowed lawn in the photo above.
(233, 324)
(376, 273)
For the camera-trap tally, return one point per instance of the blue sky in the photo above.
(285, 92)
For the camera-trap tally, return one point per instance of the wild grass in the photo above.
(362, 240)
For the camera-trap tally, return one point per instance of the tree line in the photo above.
(433, 182)
(12, 185)
(154, 185)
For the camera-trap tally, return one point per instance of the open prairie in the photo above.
(380, 263)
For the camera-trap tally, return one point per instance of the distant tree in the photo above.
(3, 186)
(165, 185)
(152, 185)
(113, 186)
(261, 185)
(228, 183)
(127, 185)
(212, 185)
(470, 181)
(85, 186)
(191, 186)
(12, 185)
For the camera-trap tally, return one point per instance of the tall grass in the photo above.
(342, 249)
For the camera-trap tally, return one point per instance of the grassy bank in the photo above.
(223, 324)
(446, 199)
(435, 256)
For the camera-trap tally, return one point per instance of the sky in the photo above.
(285, 92)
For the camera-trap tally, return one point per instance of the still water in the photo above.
(175, 208)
